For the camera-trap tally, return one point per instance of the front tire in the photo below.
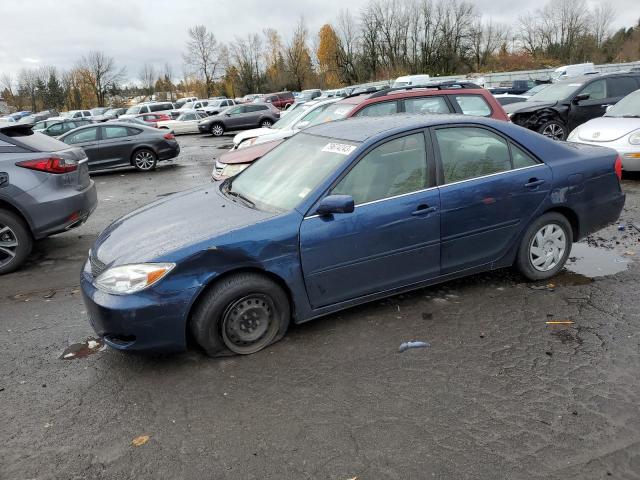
(545, 247)
(266, 123)
(217, 130)
(144, 160)
(241, 314)
(16, 242)
(554, 129)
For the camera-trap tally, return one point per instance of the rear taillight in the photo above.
(169, 136)
(49, 165)
(618, 167)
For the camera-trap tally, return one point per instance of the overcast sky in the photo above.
(58, 32)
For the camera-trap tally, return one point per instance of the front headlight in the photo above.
(247, 143)
(634, 138)
(232, 169)
(127, 279)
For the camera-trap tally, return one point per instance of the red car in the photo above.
(280, 100)
(447, 97)
(152, 119)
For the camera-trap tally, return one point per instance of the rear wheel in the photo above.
(144, 160)
(553, 129)
(545, 247)
(217, 129)
(241, 314)
(15, 242)
(266, 123)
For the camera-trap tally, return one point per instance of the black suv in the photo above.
(559, 108)
(240, 117)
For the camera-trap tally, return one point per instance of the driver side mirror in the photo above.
(579, 98)
(335, 204)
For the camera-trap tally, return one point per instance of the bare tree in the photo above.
(100, 72)
(202, 55)
(298, 58)
(601, 18)
(246, 55)
(484, 41)
(348, 45)
(28, 85)
(148, 77)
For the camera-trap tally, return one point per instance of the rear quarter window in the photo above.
(474, 105)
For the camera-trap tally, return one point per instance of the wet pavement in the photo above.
(515, 380)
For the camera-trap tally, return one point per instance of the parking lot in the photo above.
(497, 393)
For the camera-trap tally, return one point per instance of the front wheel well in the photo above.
(270, 275)
(572, 217)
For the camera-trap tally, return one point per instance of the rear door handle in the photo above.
(423, 210)
(533, 182)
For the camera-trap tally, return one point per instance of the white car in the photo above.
(74, 115)
(186, 122)
(285, 127)
(619, 129)
(7, 120)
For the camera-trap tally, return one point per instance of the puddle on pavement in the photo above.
(590, 262)
(83, 350)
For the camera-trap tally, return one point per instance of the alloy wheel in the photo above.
(217, 130)
(553, 131)
(144, 160)
(266, 124)
(547, 247)
(249, 324)
(8, 245)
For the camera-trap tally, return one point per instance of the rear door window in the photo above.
(115, 132)
(432, 104)
(469, 152)
(474, 105)
(621, 86)
(378, 109)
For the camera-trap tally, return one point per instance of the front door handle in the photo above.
(534, 182)
(423, 209)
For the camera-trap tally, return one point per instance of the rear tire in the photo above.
(266, 124)
(16, 242)
(545, 247)
(241, 314)
(144, 160)
(554, 129)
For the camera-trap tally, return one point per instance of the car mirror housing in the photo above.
(579, 98)
(336, 204)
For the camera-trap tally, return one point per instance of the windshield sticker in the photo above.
(342, 111)
(304, 192)
(341, 148)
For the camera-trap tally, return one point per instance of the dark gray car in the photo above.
(240, 117)
(44, 189)
(120, 144)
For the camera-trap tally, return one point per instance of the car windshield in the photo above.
(135, 109)
(556, 92)
(536, 89)
(187, 106)
(628, 107)
(67, 114)
(285, 122)
(289, 173)
(335, 111)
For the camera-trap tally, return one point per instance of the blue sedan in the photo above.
(344, 213)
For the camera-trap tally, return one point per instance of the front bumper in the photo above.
(147, 321)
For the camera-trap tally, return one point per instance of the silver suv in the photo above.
(44, 189)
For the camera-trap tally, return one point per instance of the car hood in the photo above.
(528, 106)
(249, 154)
(607, 129)
(173, 223)
(254, 132)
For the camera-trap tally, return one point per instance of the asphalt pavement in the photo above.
(497, 394)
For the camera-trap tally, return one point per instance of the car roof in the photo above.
(359, 129)
(408, 92)
(595, 76)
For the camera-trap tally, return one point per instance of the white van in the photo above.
(576, 70)
(409, 80)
